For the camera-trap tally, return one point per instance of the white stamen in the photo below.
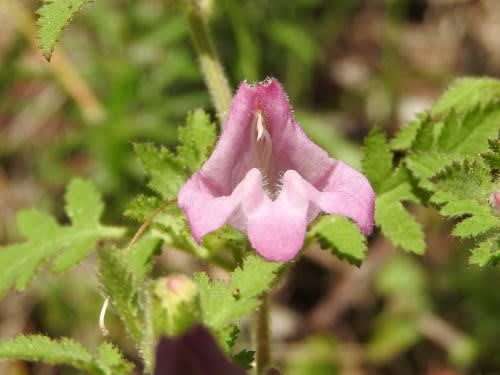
(259, 121)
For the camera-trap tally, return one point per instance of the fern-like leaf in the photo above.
(37, 348)
(47, 239)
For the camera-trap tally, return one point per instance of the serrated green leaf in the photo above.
(254, 277)
(138, 257)
(405, 137)
(377, 161)
(44, 349)
(470, 179)
(166, 173)
(426, 164)
(65, 351)
(172, 227)
(396, 223)
(142, 206)
(221, 303)
(466, 93)
(219, 307)
(425, 134)
(342, 237)
(120, 285)
(487, 253)
(54, 16)
(469, 134)
(475, 225)
(112, 361)
(196, 140)
(46, 239)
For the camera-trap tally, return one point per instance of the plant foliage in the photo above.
(54, 16)
(46, 239)
(448, 159)
(107, 361)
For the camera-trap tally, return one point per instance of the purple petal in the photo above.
(274, 204)
(193, 353)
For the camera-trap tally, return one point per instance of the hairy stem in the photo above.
(211, 67)
(262, 336)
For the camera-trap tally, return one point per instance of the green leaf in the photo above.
(65, 351)
(486, 253)
(166, 173)
(464, 190)
(426, 164)
(468, 135)
(120, 285)
(456, 138)
(342, 237)
(112, 361)
(223, 303)
(196, 140)
(469, 179)
(405, 137)
(396, 223)
(377, 162)
(466, 93)
(46, 238)
(138, 257)
(142, 206)
(476, 225)
(172, 227)
(254, 277)
(55, 15)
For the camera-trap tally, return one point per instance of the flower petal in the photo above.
(207, 212)
(348, 193)
(276, 229)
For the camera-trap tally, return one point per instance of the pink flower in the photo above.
(268, 179)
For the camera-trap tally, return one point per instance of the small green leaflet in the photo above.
(222, 303)
(168, 171)
(463, 191)
(37, 348)
(196, 140)
(342, 237)
(55, 15)
(377, 162)
(486, 253)
(396, 223)
(466, 93)
(393, 186)
(47, 239)
(437, 145)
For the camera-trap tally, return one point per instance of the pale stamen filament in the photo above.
(263, 143)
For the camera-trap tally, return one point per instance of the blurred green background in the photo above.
(127, 72)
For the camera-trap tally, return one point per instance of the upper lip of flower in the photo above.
(267, 178)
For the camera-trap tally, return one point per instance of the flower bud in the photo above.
(175, 290)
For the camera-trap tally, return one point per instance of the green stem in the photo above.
(213, 72)
(262, 337)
